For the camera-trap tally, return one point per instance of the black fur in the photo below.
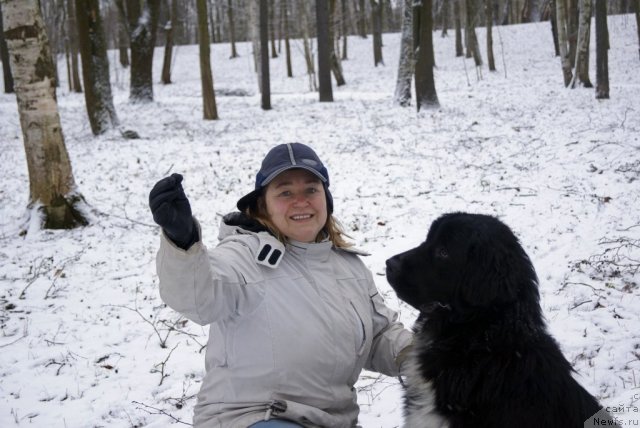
(481, 338)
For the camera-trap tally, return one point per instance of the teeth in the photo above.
(301, 217)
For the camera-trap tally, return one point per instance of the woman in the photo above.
(294, 314)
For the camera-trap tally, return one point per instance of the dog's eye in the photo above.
(442, 253)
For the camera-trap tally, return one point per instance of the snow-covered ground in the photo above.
(85, 340)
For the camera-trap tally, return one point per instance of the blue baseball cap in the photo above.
(284, 157)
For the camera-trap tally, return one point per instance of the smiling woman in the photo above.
(282, 275)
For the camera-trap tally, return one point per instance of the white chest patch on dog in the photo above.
(420, 399)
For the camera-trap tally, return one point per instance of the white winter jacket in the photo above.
(290, 327)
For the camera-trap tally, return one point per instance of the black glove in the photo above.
(171, 210)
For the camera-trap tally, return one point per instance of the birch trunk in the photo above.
(72, 32)
(402, 94)
(52, 188)
(582, 49)
(562, 42)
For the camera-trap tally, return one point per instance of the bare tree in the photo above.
(210, 112)
(72, 35)
(637, 13)
(287, 46)
(306, 43)
(52, 189)
(95, 67)
(4, 56)
(602, 46)
(554, 26)
(264, 55)
(426, 95)
(376, 24)
(168, 46)
(458, 25)
(445, 17)
(336, 65)
(142, 17)
(271, 21)
(344, 18)
(402, 94)
(582, 50)
(123, 38)
(232, 30)
(473, 48)
(488, 10)
(362, 19)
(324, 59)
(562, 42)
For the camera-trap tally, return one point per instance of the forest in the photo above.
(523, 109)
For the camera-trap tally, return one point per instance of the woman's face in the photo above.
(297, 205)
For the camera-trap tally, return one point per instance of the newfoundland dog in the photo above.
(482, 356)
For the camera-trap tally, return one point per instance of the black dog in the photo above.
(482, 356)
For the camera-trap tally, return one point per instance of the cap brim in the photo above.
(248, 200)
(279, 171)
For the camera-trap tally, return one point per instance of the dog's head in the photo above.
(469, 262)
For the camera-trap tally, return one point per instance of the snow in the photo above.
(85, 339)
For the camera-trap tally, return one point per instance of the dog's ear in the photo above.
(493, 273)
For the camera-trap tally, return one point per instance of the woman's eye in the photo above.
(285, 194)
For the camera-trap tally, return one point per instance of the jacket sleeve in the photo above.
(207, 286)
(390, 338)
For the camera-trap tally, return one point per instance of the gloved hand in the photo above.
(172, 211)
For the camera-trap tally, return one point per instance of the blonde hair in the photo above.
(332, 228)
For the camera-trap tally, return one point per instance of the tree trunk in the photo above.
(232, 30)
(426, 95)
(287, 46)
(4, 56)
(445, 17)
(123, 36)
(637, 13)
(72, 33)
(458, 26)
(525, 15)
(168, 47)
(52, 189)
(271, 22)
(473, 48)
(324, 51)
(264, 55)
(308, 56)
(602, 55)
(572, 27)
(362, 19)
(562, 42)
(336, 65)
(376, 24)
(142, 34)
(402, 95)
(210, 111)
(554, 27)
(344, 20)
(488, 7)
(95, 67)
(582, 50)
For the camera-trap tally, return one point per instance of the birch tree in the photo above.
(210, 111)
(426, 95)
(402, 94)
(95, 67)
(582, 49)
(72, 35)
(563, 42)
(52, 189)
